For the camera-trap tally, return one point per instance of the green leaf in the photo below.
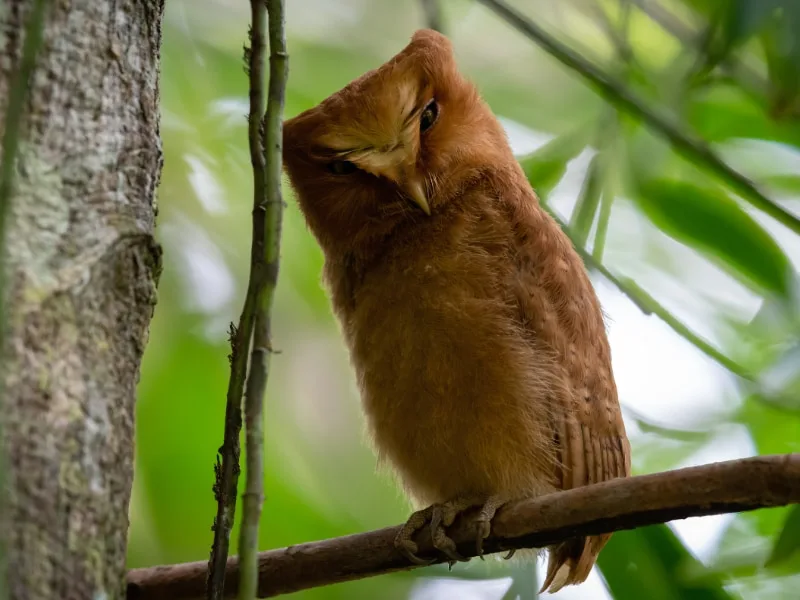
(724, 112)
(651, 562)
(784, 183)
(788, 542)
(588, 201)
(708, 220)
(546, 166)
(774, 429)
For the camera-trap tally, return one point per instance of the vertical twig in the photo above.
(253, 314)
(267, 221)
(433, 14)
(254, 56)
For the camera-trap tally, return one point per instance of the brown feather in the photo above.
(477, 339)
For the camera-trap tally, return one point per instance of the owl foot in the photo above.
(483, 523)
(441, 516)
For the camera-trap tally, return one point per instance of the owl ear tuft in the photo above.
(432, 39)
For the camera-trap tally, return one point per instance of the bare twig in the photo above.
(256, 380)
(266, 151)
(265, 135)
(691, 147)
(433, 14)
(724, 487)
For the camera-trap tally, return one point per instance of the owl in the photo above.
(477, 340)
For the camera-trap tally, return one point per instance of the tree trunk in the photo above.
(82, 268)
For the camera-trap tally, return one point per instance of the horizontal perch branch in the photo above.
(724, 487)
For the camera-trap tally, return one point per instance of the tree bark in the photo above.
(82, 268)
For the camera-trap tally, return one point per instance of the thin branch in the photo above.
(649, 305)
(266, 150)
(691, 147)
(227, 472)
(433, 14)
(256, 380)
(724, 487)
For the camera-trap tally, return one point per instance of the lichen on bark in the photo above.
(82, 268)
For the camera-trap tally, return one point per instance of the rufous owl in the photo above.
(477, 339)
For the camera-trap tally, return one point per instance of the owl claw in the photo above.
(441, 516)
(483, 523)
(446, 546)
(403, 542)
(409, 549)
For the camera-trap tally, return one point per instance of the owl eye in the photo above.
(428, 117)
(341, 167)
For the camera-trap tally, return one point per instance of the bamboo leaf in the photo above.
(788, 542)
(651, 562)
(708, 220)
(546, 166)
(588, 201)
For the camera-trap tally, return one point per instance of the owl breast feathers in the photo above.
(477, 340)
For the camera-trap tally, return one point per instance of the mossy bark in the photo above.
(81, 274)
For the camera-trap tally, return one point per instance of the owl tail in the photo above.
(571, 562)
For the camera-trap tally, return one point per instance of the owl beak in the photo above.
(403, 175)
(416, 192)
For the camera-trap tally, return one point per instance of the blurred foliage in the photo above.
(712, 271)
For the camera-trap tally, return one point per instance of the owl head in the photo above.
(392, 148)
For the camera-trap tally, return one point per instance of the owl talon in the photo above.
(483, 523)
(443, 516)
(511, 553)
(409, 549)
(447, 546)
(403, 542)
(439, 516)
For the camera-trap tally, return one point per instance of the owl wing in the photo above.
(560, 311)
